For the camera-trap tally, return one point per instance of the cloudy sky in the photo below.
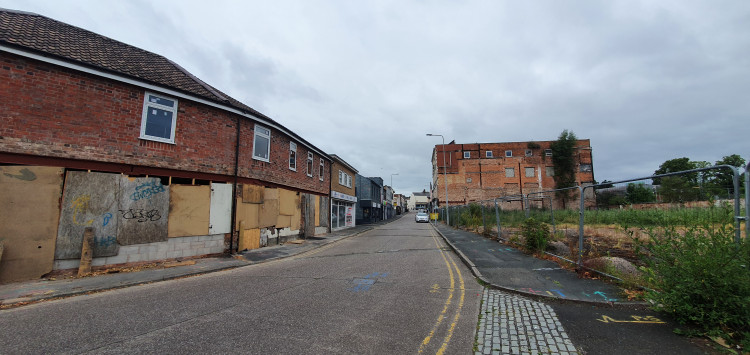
(646, 81)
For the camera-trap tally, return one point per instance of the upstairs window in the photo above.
(548, 152)
(585, 168)
(488, 154)
(159, 118)
(529, 152)
(348, 180)
(550, 170)
(292, 156)
(510, 172)
(309, 164)
(262, 143)
(530, 172)
(342, 179)
(321, 169)
(467, 155)
(508, 153)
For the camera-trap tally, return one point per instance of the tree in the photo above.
(639, 193)
(720, 181)
(563, 161)
(676, 165)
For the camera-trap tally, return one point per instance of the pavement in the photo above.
(497, 265)
(506, 268)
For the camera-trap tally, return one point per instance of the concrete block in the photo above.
(175, 254)
(129, 249)
(181, 246)
(197, 245)
(66, 264)
(119, 259)
(133, 258)
(161, 255)
(99, 262)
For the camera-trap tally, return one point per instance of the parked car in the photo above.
(422, 217)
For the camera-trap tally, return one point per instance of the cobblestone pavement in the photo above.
(511, 324)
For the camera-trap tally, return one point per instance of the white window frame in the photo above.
(467, 155)
(526, 171)
(309, 164)
(292, 151)
(548, 152)
(488, 154)
(512, 172)
(529, 152)
(508, 153)
(321, 169)
(342, 179)
(153, 105)
(348, 180)
(263, 132)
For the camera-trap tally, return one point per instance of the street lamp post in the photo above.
(445, 178)
(392, 179)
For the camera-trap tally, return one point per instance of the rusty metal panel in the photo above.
(252, 193)
(220, 213)
(89, 200)
(28, 225)
(188, 210)
(143, 211)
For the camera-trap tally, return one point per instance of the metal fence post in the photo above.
(484, 225)
(738, 218)
(497, 220)
(747, 202)
(581, 191)
(552, 215)
(525, 201)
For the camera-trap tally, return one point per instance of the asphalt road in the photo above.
(396, 289)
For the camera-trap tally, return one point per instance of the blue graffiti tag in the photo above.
(105, 241)
(106, 216)
(147, 190)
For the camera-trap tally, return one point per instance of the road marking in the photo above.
(447, 302)
(636, 319)
(442, 315)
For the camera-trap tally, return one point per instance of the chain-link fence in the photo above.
(601, 227)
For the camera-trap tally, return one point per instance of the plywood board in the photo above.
(252, 193)
(269, 210)
(143, 211)
(189, 207)
(28, 225)
(317, 209)
(89, 200)
(270, 193)
(323, 211)
(288, 202)
(249, 239)
(220, 218)
(247, 213)
(296, 220)
(283, 221)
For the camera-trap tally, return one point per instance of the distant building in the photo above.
(399, 202)
(419, 200)
(483, 171)
(369, 199)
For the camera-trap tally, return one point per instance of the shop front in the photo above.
(343, 211)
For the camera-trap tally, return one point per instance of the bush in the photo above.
(536, 234)
(701, 276)
(471, 217)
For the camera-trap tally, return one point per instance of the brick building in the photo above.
(343, 194)
(139, 149)
(483, 171)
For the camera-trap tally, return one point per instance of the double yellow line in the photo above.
(451, 265)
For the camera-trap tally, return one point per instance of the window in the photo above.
(348, 180)
(321, 169)
(468, 179)
(548, 152)
(342, 179)
(550, 171)
(488, 154)
(529, 172)
(292, 156)
(262, 143)
(309, 164)
(467, 155)
(529, 152)
(159, 118)
(510, 172)
(585, 168)
(508, 153)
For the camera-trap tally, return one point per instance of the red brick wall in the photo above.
(479, 178)
(57, 112)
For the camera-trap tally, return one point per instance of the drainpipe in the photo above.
(234, 188)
